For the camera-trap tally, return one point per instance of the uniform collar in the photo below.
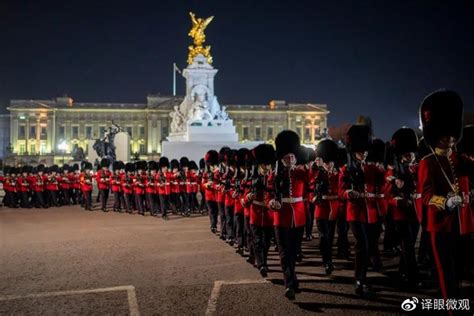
(442, 152)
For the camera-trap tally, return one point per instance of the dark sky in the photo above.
(376, 58)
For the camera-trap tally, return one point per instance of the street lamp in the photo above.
(63, 146)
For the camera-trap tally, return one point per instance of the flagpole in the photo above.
(174, 79)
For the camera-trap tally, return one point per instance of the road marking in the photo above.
(131, 295)
(212, 302)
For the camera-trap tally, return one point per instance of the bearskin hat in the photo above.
(129, 167)
(466, 145)
(287, 142)
(6, 169)
(164, 162)
(223, 153)
(311, 154)
(264, 154)
(104, 163)
(202, 163)
(341, 159)
(302, 155)
(377, 151)
(13, 170)
(40, 168)
(441, 114)
(243, 157)
(327, 150)
(86, 165)
(174, 164)
(54, 168)
(75, 167)
(193, 165)
(140, 165)
(116, 165)
(66, 167)
(152, 165)
(358, 138)
(404, 140)
(212, 157)
(25, 169)
(183, 162)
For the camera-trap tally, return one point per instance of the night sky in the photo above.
(376, 58)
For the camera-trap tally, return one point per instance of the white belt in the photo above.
(292, 200)
(373, 195)
(330, 197)
(259, 203)
(182, 183)
(416, 196)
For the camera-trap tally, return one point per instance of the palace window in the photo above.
(33, 149)
(258, 133)
(61, 133)
(307, 134)
(32, 132)
(75, 132)
(101, 131)
(88, 132)
(245, 132)
(129, 131)
(270, 132)
(44, 134)
(21, 131)
(42, 148)
(142, 149)
(21, 149)
(142, 132)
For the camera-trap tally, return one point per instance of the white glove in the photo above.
(274, 204)
(453, 202)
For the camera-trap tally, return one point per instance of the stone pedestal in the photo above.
(122, 146)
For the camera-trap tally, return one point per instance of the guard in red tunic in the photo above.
(310, 210)
(261, 217)
(139, 186)
(325, 197)
(202, 189)
(52, 186)
(24, 187)
(238, 193)
(151, 189)
(103, 182)
(116, 185)
(192, 187)
(127, 186)
(352, 188)
(227, 183)
(223, 154)
(76, 186)
(182, 179)
(11, 187)
(65, 185)
(210, 183)
(401, 177)
(289, 186)
(85, 179)
(442, 191)
(163, 179)
(37, 182)
(174, 186)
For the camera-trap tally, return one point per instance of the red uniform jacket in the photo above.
(150, 185)
(115, 181)
(435, 189)
(164, 182)
(103, 179)
(86, 181)
(369, 181)
(23, 184)
(210, 178)
(260, 214)
(292, 212)
(402, 201)
(63, 180)
(37, 182)
(327, 203)
(191, 182)
(139, 184)
(52, 183)
(126, 181)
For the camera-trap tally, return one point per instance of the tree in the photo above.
(338, 133)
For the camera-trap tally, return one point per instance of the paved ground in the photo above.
(68, 261)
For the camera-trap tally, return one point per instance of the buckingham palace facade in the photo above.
(47, 130)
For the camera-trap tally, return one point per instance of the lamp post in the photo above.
(63, 146)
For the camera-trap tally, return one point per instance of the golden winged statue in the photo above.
(197, 33)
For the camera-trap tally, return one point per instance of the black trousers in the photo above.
(25, 201)
(164, 203)
(310, 220)
(191, 201)
(287, 240)
(87, 197)
(262, 238)
(326, 230)
(118, 200)
(53, 198)
(213, 211)
(39, 199)
(151, 203)
(66, 197)
(408, 232)
(229, 217)
(140, 202)
(239, 229)
(249, 238)
(185, 208)
(128, 197)
(104, 196)
(342, 240)
(222, 219)
(173, 201)
(78, 195)
(373, 231)
(445, 253)
(359, 230)
(391, 237)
